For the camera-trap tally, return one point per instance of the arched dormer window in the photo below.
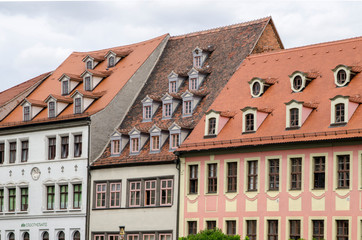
(294, 117)
(342, 109)
(212, 126)
(339, 113)
(249, 122)
(253, 118)
(258, 86)
(297, 113)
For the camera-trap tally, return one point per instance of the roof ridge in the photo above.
(226, 27)
(309, 46)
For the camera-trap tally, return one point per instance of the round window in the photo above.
(256, 89)
(341, 77)
(297, 83)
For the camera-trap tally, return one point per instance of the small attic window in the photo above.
(253, 118)
(294, 117)
(300, 80)
(111, 61)
(197, 60)
(89, 64)
(258, 86)
(249, 122)
(77, 105)
(297, 113)
(88, 83)
(297, 83)
(65, 87)
(26, 110)
(172, 87)
(343, 75)
(51, 109)
(115, 146)
(199, 57)
(212, 126)
(339, 113)
(135, 143)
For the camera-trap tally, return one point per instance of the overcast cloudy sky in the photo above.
(35, 37)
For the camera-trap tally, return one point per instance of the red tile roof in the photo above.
(231, 45)
(319, 58)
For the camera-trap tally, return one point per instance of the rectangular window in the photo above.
(50, 197)
(65, 87)
(252, 175)
(12, 199)
(212, 126)
(150, 193)
(211, 225)
(251, 229)
(24, 151)
(274, 174)
(296, 173)
(77, 195)
(77, 145)
(272, 229)
(24, 199)
(319, 172)
(87, 84)
(101, 195)
(339, 113)
(294, 117)
(12, 156)
(113, 237)
(175, 140)
(51, 148)
(51, 106)
(249, 122)
(27, 113)
(294, 231)
(230, 227)
(167, 110)
(99, 237)
(343, 171)
(135, 194)
(197, 61)
(63, 196)
(77, 105)
(212, 178)
(166, 192)
(192, 227)
(148, 236)
(187, 107)
(193, 179)
(132, 236)
(1, 200)
(165, 236)
(318, 229)
(147, 112)
(193, 84)
(342, 230)
(2, 153)
(115, 146)
(65, 147)
(135, 145)
(115, 195)
(173, 87)
(155, 143)
(232, 176)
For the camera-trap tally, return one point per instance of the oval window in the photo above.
(256, 89)
(297, 83)
(341, 77)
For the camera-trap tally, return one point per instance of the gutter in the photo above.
(88, 187)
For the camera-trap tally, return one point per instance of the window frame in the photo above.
(175, 140)
(50, 196)
(100, 195)
(26, 113)
(167, 110)
(51, 109)
(297, 174)
(339, 113)
(168, 192)
(320, 234)
(115, 192)
(64, 147)
(52, 147)
(2, 198)
(11, 199)
(192, 227)
(273, 229)
(345, 229)
(211, 126)
(24, 150)
(77, 192)
(78, 138)
(137, 194)
(251, 229)
(193, 178)
(2, 152)
(274, 171)
(63, 196)
(65, 87)
(294, 229)
(318, 173)
(88, 83)
(212, 181)
(150, 193)
(346, 173)
(24, 199)
(78, 105)
(249, 122)
(12, 151)
(232, 177)
(252, 175)
(294, 117)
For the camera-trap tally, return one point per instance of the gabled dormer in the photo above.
(297, 113)
(343, 74)
(137, 140)
(258, 86)
(82, 100)
(253, 118)
(157, 139)
(69, 82)
(300, 80)
(189, 103)
(91, 78)
(56, 104)
(118, 143)
(174, 82)
(114, 56)
(150, 106)
(31, 108)
(91, 61)
(196, 78)
(199, 56)
(215, 121)
(177, 136)
(169, 105)
(342, 109)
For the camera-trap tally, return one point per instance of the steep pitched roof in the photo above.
(319, 58)
(73, 67)
(230, 45)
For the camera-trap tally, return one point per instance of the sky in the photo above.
(37, 36)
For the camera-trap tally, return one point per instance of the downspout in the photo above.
(88, 186)
(178, 194)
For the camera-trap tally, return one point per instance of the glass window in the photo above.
(77, 145)
(51, 106)
(343, 171)
(294, 232)
(88, 84)
(99, 237)
(232, 176)
(51, 148)
(45, 236)
(135, 145)
(1, 200)
(231, 227)
(115, 195)
(50, 197)
(212, 126)
(150, 193)
(167, 109)
(11, 236)
(77, 195)
(256, 88)
(173, 87)
(339, 113)
(65, 87)
(63, 196)
(61, 235)
(12, 199)
(341, 77)
(249, 122)
(26, 236)
(187, 107)
(115, 146)
(24, 151)
(272, 229)
(27, 113)
(193, 84)
(165, 236)
(132, 236)
(197, 60)
(192, 226)
(274, 174)
(175, 140)
(193, 180)
(166, 192)
(111, 61)
(251, 229)
(297, 82)
(147, 112)
(76, 235)
(24, 199)
(148, 236)
(252, 175)
(89, 65)
(12, 157)
(65, 147)
(319, 172)
(135, 194)
(101, 195)
(155, 143)
(210, 225)
(294, 117)
(113, 237)
(212, 178)
(2, 153)
(318, 229)
(296, 173)
(77, 105)
(342, 230)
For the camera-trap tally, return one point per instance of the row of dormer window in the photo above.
(342, 109)
(112, 57)
(156, 137)
(299, 80)
(196, 78)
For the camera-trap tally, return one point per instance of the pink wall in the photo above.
(218, 202)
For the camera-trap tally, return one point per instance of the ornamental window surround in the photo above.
(344, 74)
(196, 78)
(299, 80)
(137, 140)
(258, 86)
(149, 108)
(189, 102)
(157, 139)
(297, 113)
(253, 118)
(169, 105)
(342, 109)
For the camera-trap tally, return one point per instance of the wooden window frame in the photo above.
(319, 166)
(64, 148)
(296, 173)
(274, 174)
(52, 147)
(251, 228)
(101, 192)
(193, 179)
(342, 225)
(166, 192)
(294, 229)
(24, 151)
(252, 175)
(343, 171)
(232, 176)
(78, 145)
(272, 230)
(318, 229)
(212, 178)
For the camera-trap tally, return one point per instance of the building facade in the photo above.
(278, 154)
(135, 181)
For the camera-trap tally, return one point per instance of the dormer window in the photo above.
(149, 108)
(189, 101)
(155, 143)
(294, 117)
(65, 87)
(173, 88)
(77, 105)
(115, 145)
(174, 82)
(56, 104)
(147, 112)
(89, 64)
(297, 113)
(196, 78)
(193, 84)
(253, 118)
(199, 57)
(87, 83)
(91, 61)
(26, 110)
(111, 61)
(258, 86)
(137, 140)
(339, 113)
(69, 82)
(167, 109)
(31, 108)
(169, 105)
(342, 109)
(212, 126)
(118, 142)
(215, 121)
(249, 122)
(135, 145)
(51, 109)
(91, 78)
(175, 140)
(299, 80)
(158, 138)
(187, 110)
(343, 74)
(177, 136)
(115, 55)
(197, 61)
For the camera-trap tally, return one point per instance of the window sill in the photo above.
(210, 136)
(252, 190)
(342, 124)
(10, 213)
(48, 211)
(292, 128)
(211, 194)
(273, 190)
(249, 132)
(22, 212)
(62, 210)
(75, 210)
